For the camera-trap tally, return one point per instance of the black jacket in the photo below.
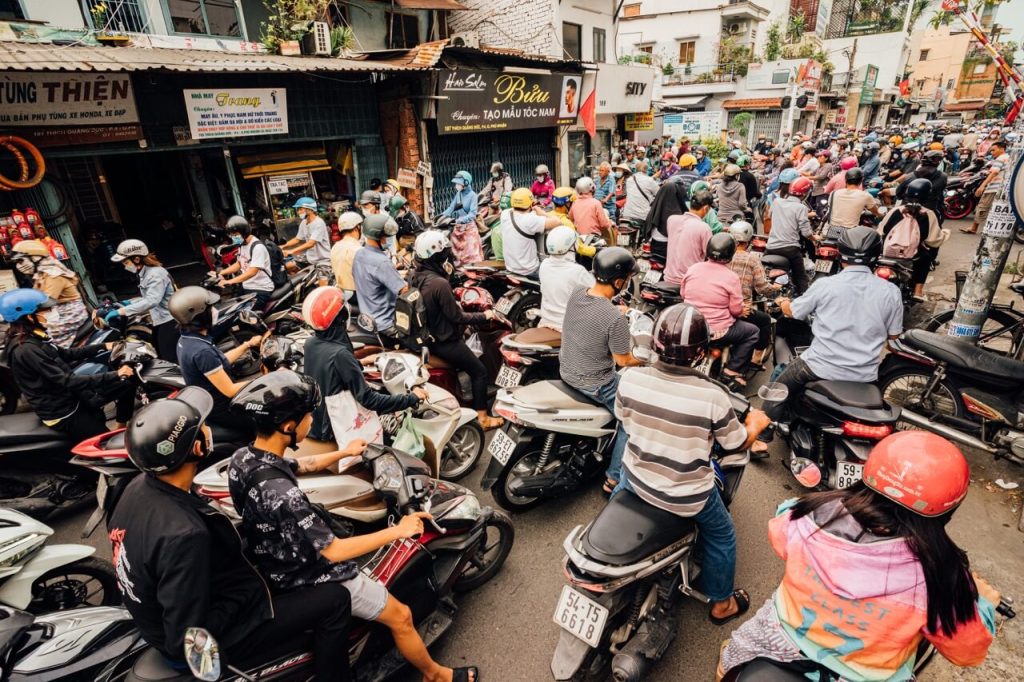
(750, 185)
(329, 359)
(42, 372)
(179, 564)
(445, 316)
(936, 198)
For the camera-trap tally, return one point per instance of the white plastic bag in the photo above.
(350, 420)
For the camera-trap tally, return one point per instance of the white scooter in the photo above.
(41, 578)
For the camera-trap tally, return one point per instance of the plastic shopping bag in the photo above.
(408, 439)
(350, 420)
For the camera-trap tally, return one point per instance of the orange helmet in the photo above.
(936, 146)
(920, 471)
(322, 307)
(800, 187)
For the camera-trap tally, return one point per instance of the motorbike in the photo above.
(833, 424)
(960, 391)
(627, 573)
(463, 548)
(959, 200)
(900, 272)
(530, 356)
(520, 303)
(554, 438)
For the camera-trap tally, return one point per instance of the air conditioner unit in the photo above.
(318, 40)
(466, 39)
(735, 28)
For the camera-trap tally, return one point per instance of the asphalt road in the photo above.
(506, 627)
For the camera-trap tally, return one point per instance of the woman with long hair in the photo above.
(871, 570)
(155, 289)
(33, 259)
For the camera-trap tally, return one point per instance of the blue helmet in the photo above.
(306, 202)
(464, 177)
(788, 176)
(16, 304)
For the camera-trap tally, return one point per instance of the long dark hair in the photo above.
(947, 576)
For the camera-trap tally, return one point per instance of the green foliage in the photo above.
(742, 123)
(716, 148)
(668, 68)
(289, 20)
(943, 18)
(733, 58)
(773, 43)
(342, 40)
(795, 27)
(625, 59)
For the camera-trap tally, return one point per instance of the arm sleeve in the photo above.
(32, 358)
(390, 278)
(51, 286)
(469, 208)
(803, 223)
(730, 434)
(451, 207)
(183, 589)
(806, 304)
(778, 530)
(152, 295)
(451, 310)
(619, 340)
(895, 322)
(736, 298)
(378, 401)
(970, 643)
(207, 361)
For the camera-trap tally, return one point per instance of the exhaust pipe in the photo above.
(922, 422)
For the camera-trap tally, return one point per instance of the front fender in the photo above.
(466, 415)
(17, 591)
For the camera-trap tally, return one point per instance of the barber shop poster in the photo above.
(477, 101)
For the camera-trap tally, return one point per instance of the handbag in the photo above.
(350, 420)
(408, 439)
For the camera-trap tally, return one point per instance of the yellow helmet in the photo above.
(563, 196)
(896, 140)
(522, 198)
(31, 247)
(687, 161)
(936, 146)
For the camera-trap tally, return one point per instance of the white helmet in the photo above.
(130, 248)
(584, 185)
(349, 220)
(430, 243)
(741, 231)
(542, 169)
(561, 240)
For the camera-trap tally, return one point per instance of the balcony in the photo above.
(708, 79)
(741, 9)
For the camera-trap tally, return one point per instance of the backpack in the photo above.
(902, 240)
(278, 274)
(411, 318)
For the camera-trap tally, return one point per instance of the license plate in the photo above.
(581, 616)
(502, 446)
(652, 276)
(822, 265)
(504, 305)
(643, 265)
(848, 474)
(623, 240)
(508, 377)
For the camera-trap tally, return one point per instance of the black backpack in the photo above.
(278, 274)
(411, 318)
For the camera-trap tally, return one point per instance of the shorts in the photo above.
(369, 597)
(984, 206)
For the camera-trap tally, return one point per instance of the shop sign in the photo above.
(49, 99)
(236, 112)
(867, 93)
(63, 136)
(277, 186)
(636, 122)
(476, 101)
(407, 178)
(694, 125)
(283, 184)
(623, 89)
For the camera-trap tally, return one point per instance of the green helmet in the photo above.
(505, 201)
(743, 161)
(698, 186)
(396, 204)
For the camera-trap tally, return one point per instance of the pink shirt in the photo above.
(716, 291)
(838, 181)
(688, 238)
(588, 215)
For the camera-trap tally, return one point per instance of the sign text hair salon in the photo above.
(477, 101)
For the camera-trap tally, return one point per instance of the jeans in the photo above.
(718, 536)
(457, 354)
(795, 256)
(605, 395)
(763, 322)
(954, 155)
(796, 375)
(742, 336)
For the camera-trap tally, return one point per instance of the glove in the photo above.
(121, 304)
(109, 317)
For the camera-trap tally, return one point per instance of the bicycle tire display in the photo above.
(19, 148)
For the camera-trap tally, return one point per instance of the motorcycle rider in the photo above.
(669, 167)
(871, 163)
(845, 206)
(202, 363)
(498, 184)
(588, 214)
(596, 340)
(855, 314)
(465, 235)
(871, 571)
(640, 192)
(155, 287)
(790, 221)
(64, 401)
(688, 237)
(732, 196)
(253, 263)
(410, 224)
(930, 231)
(703, 161)
(312, 241)
(927, 170)
(560, 275)
(180, 563)
(604, 188)
(343, 252)
(747, 265)
(671, 200)
(377, 282)
(820, 178)
(687, 174)
(369, 202)
(543, 187)
(749, 180)
(838, 181)
(292, 544)
(520, 227)
(446, 319)
(711, 217)
(672, 415)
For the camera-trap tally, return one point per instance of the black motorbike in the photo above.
(959, 199)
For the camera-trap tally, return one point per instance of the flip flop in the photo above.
(463, 674)
(742, 601)
(491, 423)
(966, 231)
(736, 379)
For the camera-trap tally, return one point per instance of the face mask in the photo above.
(495, 174)
(540, 178)
(618, 174)
(131, 267)
(236, 239)
(459, 188)
(387, 243)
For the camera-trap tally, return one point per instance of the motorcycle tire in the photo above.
(506, 499)
(462, 451)
(481, 569)
(525, 314)
(1018, 233)
(1010, 345)
(957, 207)
(9, 396)
(62, 588)
(945, 400)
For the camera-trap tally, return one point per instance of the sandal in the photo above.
(609, 486)
(463, 674)
(491, 423)
(966, 231)
(759, 452)
(735, 378)
(743, 604)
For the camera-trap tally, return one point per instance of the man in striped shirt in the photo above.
(673, 416)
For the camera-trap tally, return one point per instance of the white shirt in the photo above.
(640, 193)
(317, 231)
(255, 255)
(520, 252)
(559, 277)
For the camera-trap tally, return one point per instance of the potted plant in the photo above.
(287, 22)
(101, 23)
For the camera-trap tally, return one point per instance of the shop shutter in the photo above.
(371, 162)
(765, 123)
(519, 150)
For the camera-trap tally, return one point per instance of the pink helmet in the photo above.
(847, 163)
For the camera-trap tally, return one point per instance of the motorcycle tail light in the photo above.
(214, 494)
(857, 430)
(508, 413)
(512, 357)
(716, 352)
(646, 248)
(884, 272)
(649, 296)
(828, 252)
(655, 265)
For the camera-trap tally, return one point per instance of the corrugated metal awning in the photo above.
(430, 4)
(46, 57)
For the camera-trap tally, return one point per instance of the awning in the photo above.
(965, 106)
(281, 163)
(691, 101)
(753, 103)
(430, 4)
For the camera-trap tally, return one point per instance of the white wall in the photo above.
(528, 25)
(590, 14)
(58, 13)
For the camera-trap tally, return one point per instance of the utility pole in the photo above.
(852, 98)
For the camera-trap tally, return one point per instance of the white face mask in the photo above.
(131, 267)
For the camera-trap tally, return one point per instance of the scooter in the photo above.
(463, 548)
(627, 574)
(554, 438)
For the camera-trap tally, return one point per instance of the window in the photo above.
(572, 40)
(205, 17)
(403, 30)
(924, 56)
(631, 10)
(649, 49)
(687, 51)
(600, 39)
(10, 10)
(949, 83)
(116, 15)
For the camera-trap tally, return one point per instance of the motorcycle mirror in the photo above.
(805, 471)
(366, 322)
(202, 654)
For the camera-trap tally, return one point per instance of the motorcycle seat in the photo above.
(628, 530)
(151, 666)
(554, 395)
(25, 427)
(849, 393)
(772, 262)
(540, 336)
(963, 354)
(282, 291)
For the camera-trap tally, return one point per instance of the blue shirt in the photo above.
(199, 357)
(156, 288)
(377, 285)
(855, 312)
(704, 166)
(605, 192)
(463, 208)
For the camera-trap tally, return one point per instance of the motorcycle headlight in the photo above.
(14, 550)
(468, 509)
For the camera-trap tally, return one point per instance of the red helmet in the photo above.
(847, 162)
(800, 187)
(322, 307)
(681, 335)
(668, 156)
(918, 470)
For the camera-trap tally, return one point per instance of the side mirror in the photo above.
(366, 322)
(202, 654)
(806, 472)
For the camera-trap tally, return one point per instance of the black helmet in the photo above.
(700, 199)
(275, 398)
(613, 263)
(161, 435)
(369, 197)
(280, 352)
(681, 336)
(932, 158)
(188, 303)
(721, 248)
(918, 191)
(237, 223)
(855, 176)
(859, 246)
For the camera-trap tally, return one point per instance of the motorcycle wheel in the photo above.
(462, 451)
(957, 207)
(1018, 233)
(495, 546)
(87, 582)
(9, 395)
(522, 462)
(1002, 332)
(904, 386)
(525, 314)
